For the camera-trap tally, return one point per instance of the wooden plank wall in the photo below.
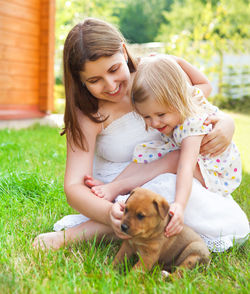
(47, 44)
(26, 54)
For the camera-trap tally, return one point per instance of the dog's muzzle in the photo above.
(124, 227)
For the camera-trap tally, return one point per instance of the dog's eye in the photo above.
(126, 210)
(140, 216)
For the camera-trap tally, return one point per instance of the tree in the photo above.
(139, 20)
(198, 29)
(70, 12)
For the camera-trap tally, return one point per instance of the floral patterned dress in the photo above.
(222, 174)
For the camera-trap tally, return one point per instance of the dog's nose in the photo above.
(124, 227)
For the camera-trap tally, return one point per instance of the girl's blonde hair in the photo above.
(161, 78)
(87, 41)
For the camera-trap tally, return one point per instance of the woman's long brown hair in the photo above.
(87, 41)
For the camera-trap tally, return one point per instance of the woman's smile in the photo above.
(107, 78)
(116, 91)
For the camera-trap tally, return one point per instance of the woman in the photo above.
(98, 73)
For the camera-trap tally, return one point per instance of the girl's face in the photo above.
(107, 78)
(158, 116)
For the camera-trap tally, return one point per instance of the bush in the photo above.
(238, 105)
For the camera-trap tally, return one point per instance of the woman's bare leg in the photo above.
(82, 232)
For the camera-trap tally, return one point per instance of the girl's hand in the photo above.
(176, 223)
(220, 137)
(116, 213)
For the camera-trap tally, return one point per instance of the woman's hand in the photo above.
(116, 213)
(176, 223)
(220, 137)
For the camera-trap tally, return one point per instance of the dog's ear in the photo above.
(132, 192)
(162, 207)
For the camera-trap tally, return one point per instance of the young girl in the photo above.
(168, 103)
(102, 132)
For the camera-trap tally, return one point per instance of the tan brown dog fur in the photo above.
(145, 218)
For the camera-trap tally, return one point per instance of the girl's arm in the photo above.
(196, 77)
(186, 170)
(137, 174)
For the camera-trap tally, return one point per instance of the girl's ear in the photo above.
(124, 50)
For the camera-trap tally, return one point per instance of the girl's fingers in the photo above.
(176, 229)
(212, 119)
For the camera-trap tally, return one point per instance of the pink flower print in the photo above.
(217, 160)
(140, 155)
(235, 170)
(159, 154)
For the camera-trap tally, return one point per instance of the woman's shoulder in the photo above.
(87, 125)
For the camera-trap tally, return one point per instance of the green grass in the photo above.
(32, 166)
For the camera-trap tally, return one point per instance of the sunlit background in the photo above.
(212, 35)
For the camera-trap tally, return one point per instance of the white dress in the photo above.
(218, 219)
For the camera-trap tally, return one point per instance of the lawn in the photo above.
(32, 198)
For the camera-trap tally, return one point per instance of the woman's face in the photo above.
(107, 78)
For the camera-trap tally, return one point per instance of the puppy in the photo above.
(145, 219)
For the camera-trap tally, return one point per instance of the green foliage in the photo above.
(59, 97)
(202, 30)
(140, 20)
(59, 91)
(71, 12)
(199, 31)
(241, 104)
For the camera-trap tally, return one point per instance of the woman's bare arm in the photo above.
(78, 164)
(196, 77)
(221, 135)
